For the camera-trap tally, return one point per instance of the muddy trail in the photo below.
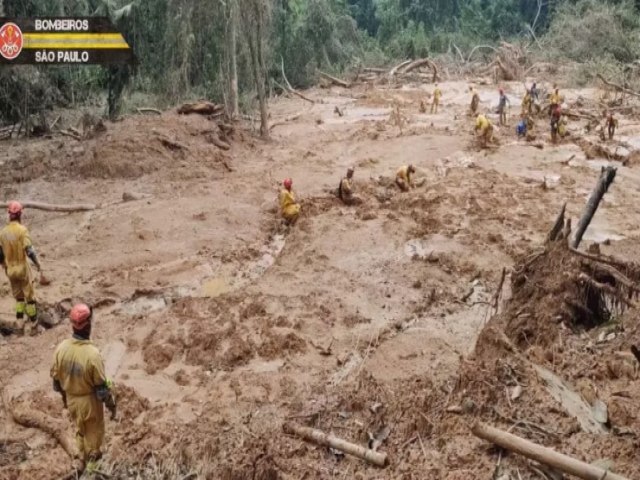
(387, 322)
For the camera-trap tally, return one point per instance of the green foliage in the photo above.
(182, 45)
(589, 30)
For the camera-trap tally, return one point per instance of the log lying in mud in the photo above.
(334, 80)
(41, 421)
(542, 454)
(316, 436)
(50, 207)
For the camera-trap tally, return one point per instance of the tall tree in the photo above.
(254, 16)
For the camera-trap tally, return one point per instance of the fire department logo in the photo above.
(11, 40)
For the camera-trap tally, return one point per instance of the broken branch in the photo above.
(332, 79)
(619, 88)
(542, 454)
(321, 438)
(149, 110)
(607, 175)
(50, 207)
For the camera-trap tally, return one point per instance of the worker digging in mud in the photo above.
(521, 128)
(437, 94)
(345, 189)
(403, 177)
(79, 376)
(475, 100)
(502, 107)
(611, 123)
(289, 209)
(484, 129)
(15, 248)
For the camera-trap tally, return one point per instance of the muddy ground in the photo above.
(218, 324)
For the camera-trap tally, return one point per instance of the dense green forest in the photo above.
(205, 48)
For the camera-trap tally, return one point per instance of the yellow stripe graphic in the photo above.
(77, 46)
(73, 36)
(74, 41)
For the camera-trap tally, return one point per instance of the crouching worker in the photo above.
(403, 177)
(345, 189)
(289, 209)
(484, 129)
(78, 375)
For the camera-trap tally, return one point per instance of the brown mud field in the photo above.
(389, 322)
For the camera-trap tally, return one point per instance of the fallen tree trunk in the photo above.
(316, 436)
(332, 79)
(542, 454)
(149, 110)
(607, 175)
(619, 88)
(419, 63)
(373, 70)
(294, 92)
(50, 207)
(202, 107)
(393, 71)
(41, 421)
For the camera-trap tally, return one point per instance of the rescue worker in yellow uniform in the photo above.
(527, 101)
(78, 375)
(484, 128)
(15, 248)
(554, 101)
(345, 189)
(289, 209)
(403, 177)
(437, 94)
(475, 100)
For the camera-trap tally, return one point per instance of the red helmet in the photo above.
(287, 183)
(15, 208)
(80, 316)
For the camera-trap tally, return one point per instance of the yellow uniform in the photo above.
(526, 103)
(437, 94)
(14, 240)
(403, 178)
(78, 367)
(288, 206)
(555, 99)
(483, 124)
(346, 188)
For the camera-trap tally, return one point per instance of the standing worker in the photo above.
(502, 107)
(437, 94)
(611, 123)
(15, 248)
(403, 177)
(555, 100)
(475, 100)
(289, 209)
(555, 122)
(345, 189)
(527, 100)
(485, 129)
(78, 375)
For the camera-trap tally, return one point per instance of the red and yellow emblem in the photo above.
(11, 40)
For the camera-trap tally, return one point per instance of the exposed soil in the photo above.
(218, 324)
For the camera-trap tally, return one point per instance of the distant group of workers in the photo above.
(78, 371)
(290, 208)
